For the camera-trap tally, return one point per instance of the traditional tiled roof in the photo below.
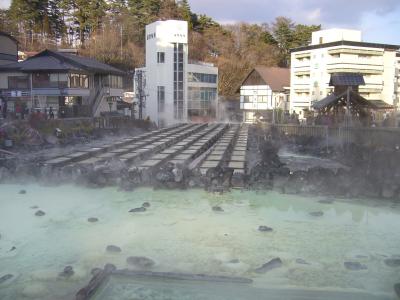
(276, 78)
(48, 60)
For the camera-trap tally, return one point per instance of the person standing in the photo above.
(51, 113)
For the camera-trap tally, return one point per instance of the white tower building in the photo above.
(167, 74)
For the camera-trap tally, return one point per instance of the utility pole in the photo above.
(140, 84)
(120, 29)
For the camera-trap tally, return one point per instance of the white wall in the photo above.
(160, 37)
(335, 34)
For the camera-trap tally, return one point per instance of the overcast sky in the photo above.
(378, 19)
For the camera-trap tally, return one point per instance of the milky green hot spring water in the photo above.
(181, 233)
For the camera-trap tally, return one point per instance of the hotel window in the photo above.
(161, 98)
(160, 57)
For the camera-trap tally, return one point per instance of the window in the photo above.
(178, 81)
(74, 80)
(18, 82)
(161, 57)
(161, 98)
(321, 40)
(202, 77)
(112, 81)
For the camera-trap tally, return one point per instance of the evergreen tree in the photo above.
(302, 34)
(87, 17)
(185, 12)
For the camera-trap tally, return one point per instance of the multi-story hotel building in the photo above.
(174, 89)
(342, 50)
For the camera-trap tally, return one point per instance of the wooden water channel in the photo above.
(191, 146)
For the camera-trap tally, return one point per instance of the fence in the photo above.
(368, 136)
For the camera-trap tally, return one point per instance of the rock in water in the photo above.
(354, 266)
(138, 209)
(217, 208)
(140, 261)
(92, 220)
(40, 213)
(146, 204)
(302, 261)
(326, 201)
(68, 272)
(316, 213)
(272, 264)
(397, 289)
(264, 228)
(22, 192)
(5, 278)
(392, 262)
(113, 249)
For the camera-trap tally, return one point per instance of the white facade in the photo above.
(341, 50)
(166, 73)
(260, 98)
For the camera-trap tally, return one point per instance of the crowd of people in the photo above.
(22, 112)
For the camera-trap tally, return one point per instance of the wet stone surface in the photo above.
(264, 228)
(5, 278)
(354, 266)
(217, 208)
(93, 220)
(272, 264)
(67, 272)
(95, 271)
(316, 213)
(302, 261)
(113, 249)
(40, 213)
(22, 192)
(140, 261)
(392, 262)
(138, 209)
(397, 289)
